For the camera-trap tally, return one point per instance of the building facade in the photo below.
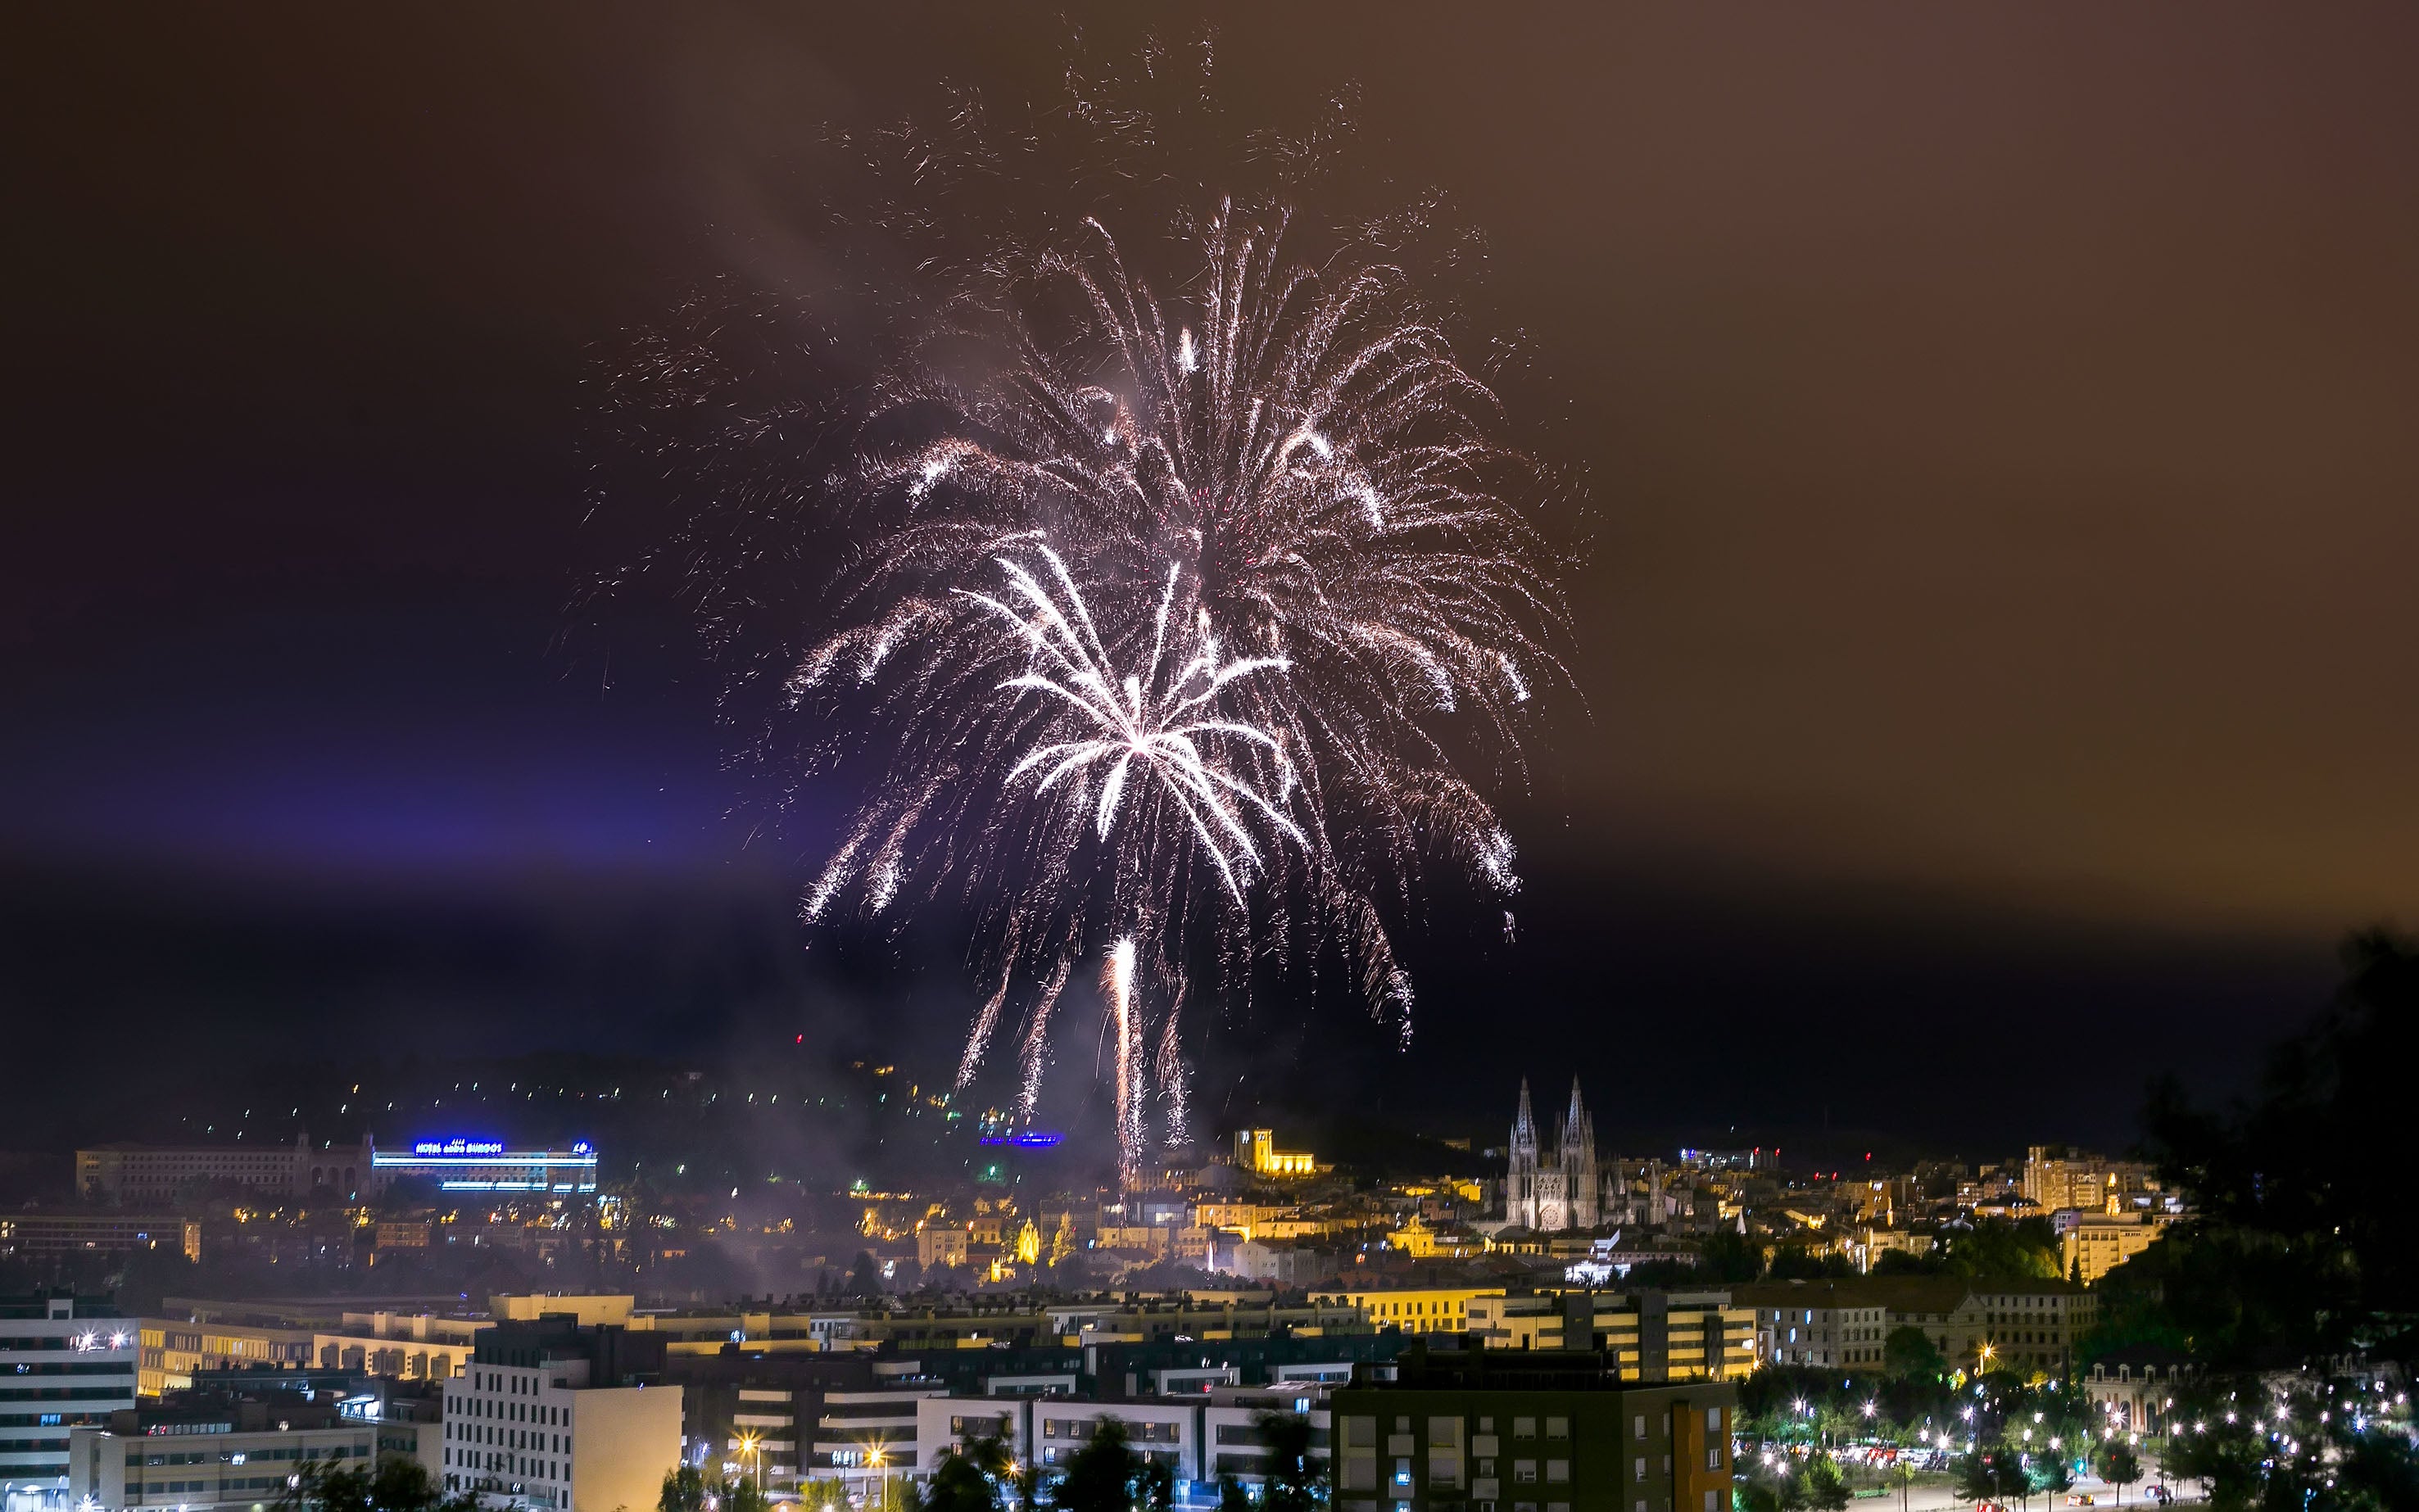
(554, 1414)
(1256, 1151)
(223, 1453)
(49, 1237)
(131, 1175)
(66, 1362)
(486, 1165)
(1494, 1431)
(1550, 1189)
(1650, 1338)
(2095, 1243)
(2029, 1326)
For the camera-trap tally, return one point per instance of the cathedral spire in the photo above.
(1524, 1123)
(1577, 1119)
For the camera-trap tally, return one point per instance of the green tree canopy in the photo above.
(1909, 1354)
(2298, 1176)
(1827, 1489)
(1099, 1476)
(395, 1484)
(2118, 1465)
(1297, 1482)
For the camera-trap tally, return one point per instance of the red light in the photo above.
(802, 1038)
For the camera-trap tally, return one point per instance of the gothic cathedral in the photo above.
(1552, 1190)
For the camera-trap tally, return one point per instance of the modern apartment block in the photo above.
(1655, 1337)
(1489, 1430)
(213, 1450)
(554, 1414)
(66, 1362)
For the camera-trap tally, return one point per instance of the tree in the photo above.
(2119, 1466)
(687, 1490)
(684, 1489)
(1728, 1256)
(1902, 1474)
(1766, 1491)
(1827, 1489)
(1909, 1354)
(1155, 1485)
(1231, 1495)
(1990, 1476)
(1795, 1263)
(865, 1277)
(2052, 1476)
(2299, 1171)
(742, 1495)
(1297, 1482)
(396, 1485)
(962, 1484)
(1099, 1476)
(2026, 1247)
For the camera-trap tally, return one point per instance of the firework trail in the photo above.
(1118, 982)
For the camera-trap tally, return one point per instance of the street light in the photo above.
(748, 1443)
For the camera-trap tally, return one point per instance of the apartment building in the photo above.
(1653, 1336)
(1494, 1430)
(555, 1414)
(221, 1451)
(2027, 1325)
(66, 1362)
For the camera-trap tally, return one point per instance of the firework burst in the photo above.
(1268, 582)
(1171, 613)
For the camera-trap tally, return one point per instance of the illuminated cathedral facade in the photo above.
(1549, 1188)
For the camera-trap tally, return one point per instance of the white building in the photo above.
(1230, 1439)
(1168, 1432)
(863, 1438)
(1205, 1433)
(66, 1362)
(227, 1455)
(557, 1432)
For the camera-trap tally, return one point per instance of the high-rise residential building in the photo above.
(553, 1413)
(1496, 1431)
(1550, 1189)
(66, 1362)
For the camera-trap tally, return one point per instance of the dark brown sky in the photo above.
(2000, 418)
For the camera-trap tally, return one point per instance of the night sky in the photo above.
(2000, 642)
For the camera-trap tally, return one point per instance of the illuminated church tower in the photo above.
(1549, 1191)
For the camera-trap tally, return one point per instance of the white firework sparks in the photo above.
(1143, 722)
(1175, 623)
